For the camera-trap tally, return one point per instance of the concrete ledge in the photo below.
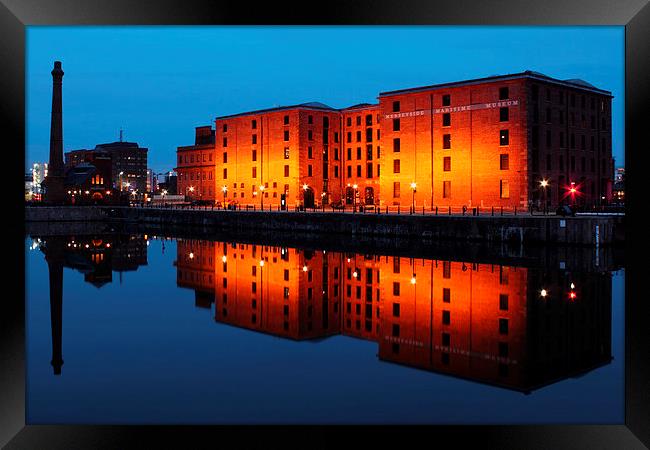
(582, 230)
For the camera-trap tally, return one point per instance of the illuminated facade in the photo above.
(196, 166)
(514, 327)
(484, 142)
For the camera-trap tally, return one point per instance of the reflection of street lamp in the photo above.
(414, 188)
(544, 184)
(262, 197)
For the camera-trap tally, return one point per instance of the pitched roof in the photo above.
(308, 105)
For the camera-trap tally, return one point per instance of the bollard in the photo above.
(436, 210)
(450, 210)
(422, 210)
(502, 210)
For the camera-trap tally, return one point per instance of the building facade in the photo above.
(196, 166)
(516, 140)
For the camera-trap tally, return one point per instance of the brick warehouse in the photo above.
(483, 142)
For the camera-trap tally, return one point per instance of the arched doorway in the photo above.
(309, 197)
(97, 197)
(349, 196)
(369, 196)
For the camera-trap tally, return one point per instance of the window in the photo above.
(225, 174)
(254, 172)
(358, 171)
(396, 145)
(396, 189)
(504, 163)
(503, 114)
(310, 135)
(310, 153)
(503, 93)
(503, 349)
(369, 120)
(349, 137)
(446, 100)
(396, 166)
(358, 136)
(446, 189)
(368, 134)
(395, 106)
(348, 122)
(225, 142)
(225, 127)
(396, 286)
(358, 152)
(446, 141)
(446, 120)
(395, 330)
(446, 164)
(254, 155)
(504, 189)
(358, 120)
(446, 317)
(504, 137)
(369, 170)
(395, 309)
(286, 170)
(225, 157)
(369, 152)
(503, 326)
(254, 141)
(548, 138)
(503, 302)
(446, 295)
(310, 119)
(254, 124)
(446, 269)
(349, 171)
(446, 340)
(396, 124)
(286, 135)
(286, 120)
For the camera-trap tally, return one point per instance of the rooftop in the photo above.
(308, 105)
(573, 82)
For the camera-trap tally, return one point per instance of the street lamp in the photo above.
(262, 197)
(355, 186)
(121, 187)
(544, 184)
(414, 188)
(304, 188)
(224, 189)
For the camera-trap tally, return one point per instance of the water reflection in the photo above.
(515, 327)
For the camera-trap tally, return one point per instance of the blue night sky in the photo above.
(158, 83)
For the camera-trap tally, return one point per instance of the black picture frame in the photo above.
(15, 15)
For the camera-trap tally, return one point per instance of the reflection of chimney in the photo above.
(54, 181)
(54, 258)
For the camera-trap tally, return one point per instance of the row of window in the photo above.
(504, 189)
(183, 158)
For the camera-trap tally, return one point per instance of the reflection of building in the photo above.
(95, 257)
(482, 142)
(514, 327)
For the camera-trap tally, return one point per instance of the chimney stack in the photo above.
(55, 178)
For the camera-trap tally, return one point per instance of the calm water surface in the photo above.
(137, 329)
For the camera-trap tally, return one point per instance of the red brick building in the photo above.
(483, 142)
(196, 166)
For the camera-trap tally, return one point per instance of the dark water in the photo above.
(137, 329)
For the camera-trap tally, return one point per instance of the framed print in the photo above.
(376, 223)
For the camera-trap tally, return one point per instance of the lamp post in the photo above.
(304, 193)
(262, 197)
(573, 191)
(224, 189)
(414, 188)
(355, 186)
(121, 187)
(544, 184)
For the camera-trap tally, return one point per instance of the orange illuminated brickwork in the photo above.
(361, 153)
(196, 166)
(361, 296)
(275, 290)
(515, 327)
(486, 142)
(264, 157)
(491, 142)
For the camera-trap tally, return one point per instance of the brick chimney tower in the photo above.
(54, 183)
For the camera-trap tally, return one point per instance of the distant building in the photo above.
(129, 159)
(151, 181)
(39, 172)
(169, 184)
(90, 182)
(618, 192)
(29, 189)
